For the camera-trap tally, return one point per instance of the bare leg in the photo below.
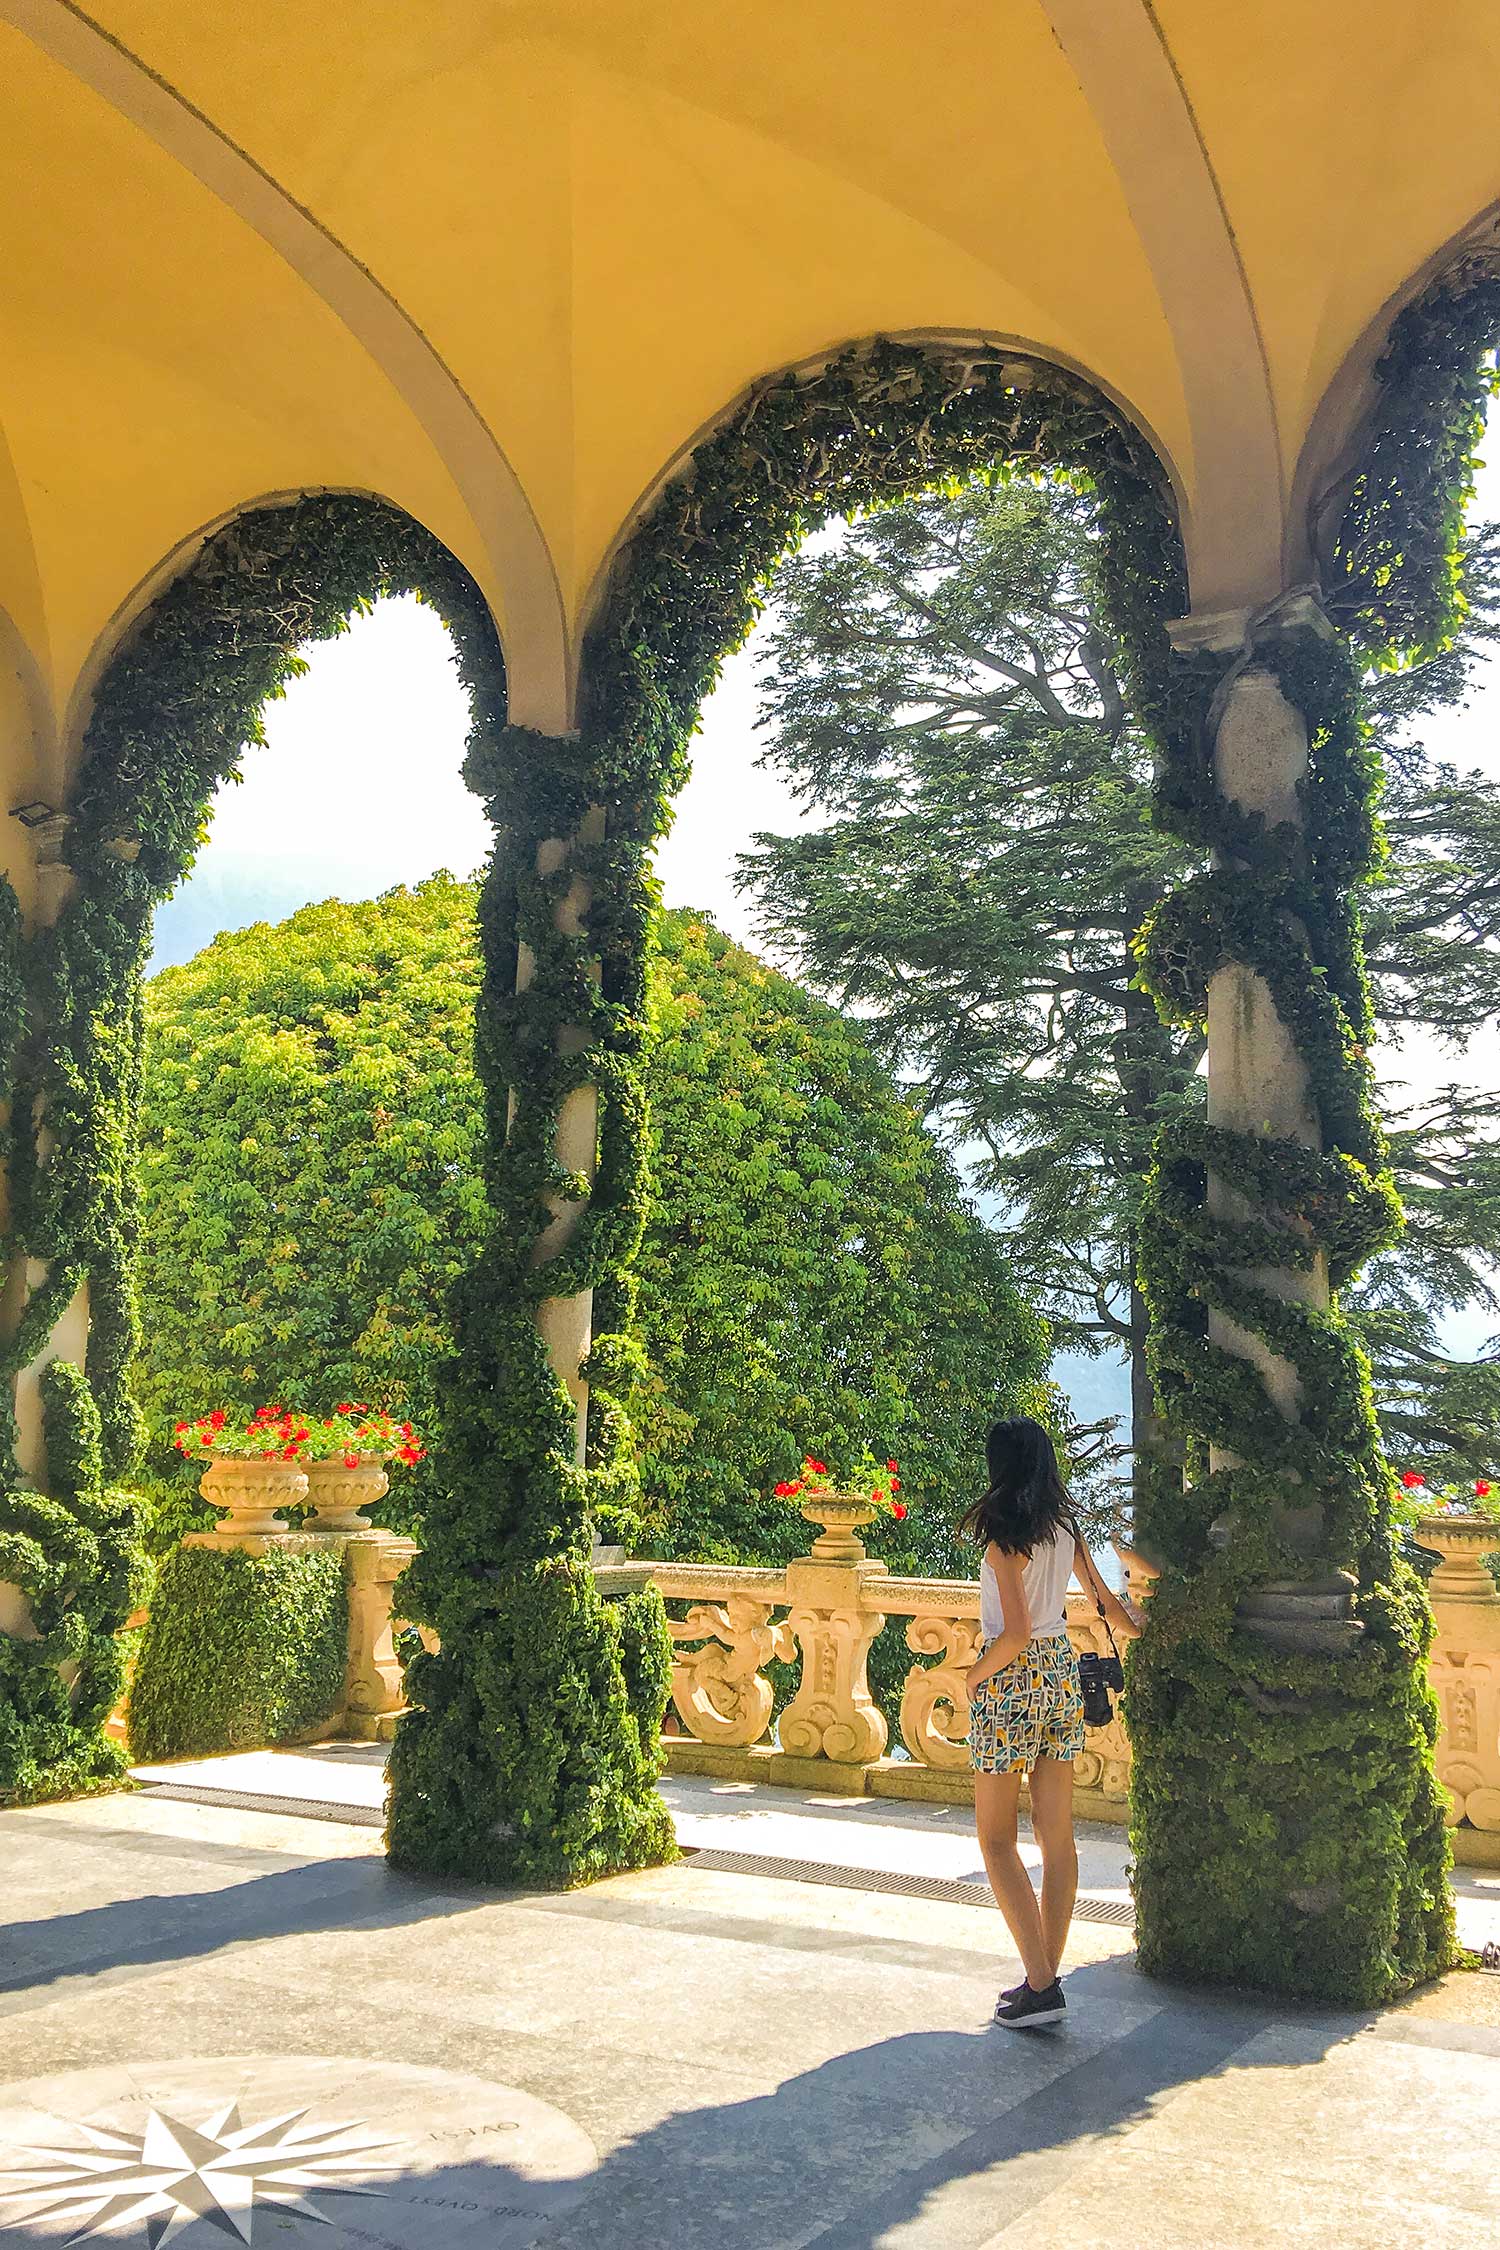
(1052, 1821)
(995, 1799)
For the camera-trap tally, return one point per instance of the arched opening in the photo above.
(177, 702)
(875, 423)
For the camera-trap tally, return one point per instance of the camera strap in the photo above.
(1098, 1593)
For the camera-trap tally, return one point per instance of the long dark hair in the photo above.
(1026, 1501)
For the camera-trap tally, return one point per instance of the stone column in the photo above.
(44, 887)
(567, 1322)
(1258, 1084)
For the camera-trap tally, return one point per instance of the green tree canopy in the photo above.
(811, 1278)
(939, 687)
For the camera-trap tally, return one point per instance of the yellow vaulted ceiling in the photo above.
(501, 263)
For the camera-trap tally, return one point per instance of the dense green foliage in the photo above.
(311, 1172)
(312, 1147)
(239, 1651)
(1433, 940)
(810, 1279)
(76, 1554)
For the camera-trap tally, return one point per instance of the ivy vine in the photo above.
(1312, 1856)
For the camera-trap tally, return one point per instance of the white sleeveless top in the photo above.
(1045, 1578)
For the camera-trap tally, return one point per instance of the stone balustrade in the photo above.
(822, 1614)
(1465, 1672)
(832, 1735)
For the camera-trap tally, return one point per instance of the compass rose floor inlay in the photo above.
(261, 2148)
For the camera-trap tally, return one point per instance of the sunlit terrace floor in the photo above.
(782, 2041)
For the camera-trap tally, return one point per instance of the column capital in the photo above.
(1299, 610)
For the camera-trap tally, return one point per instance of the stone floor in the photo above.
(230, 2021)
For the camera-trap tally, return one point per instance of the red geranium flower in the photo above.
(351, 1460)
(1411, 1479)
(816, 1468)
(217, 1419)
(207, 1438)
(893, 1466)
(343, 1407)
(1481, 1487)
(785, 1491)
(899, 1510)
(895, 1484)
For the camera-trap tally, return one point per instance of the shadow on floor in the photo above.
(864, 2142)
(163, 1930)
(838, 2157)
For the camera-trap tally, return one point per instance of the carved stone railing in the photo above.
(719, 1690)
(1465, 1671)
(825, 1616)
(822, 1614)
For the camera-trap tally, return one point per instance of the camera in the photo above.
(1098, 1676)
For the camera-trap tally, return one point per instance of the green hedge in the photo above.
(241, 1651)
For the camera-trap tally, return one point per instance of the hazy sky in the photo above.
(358, 788)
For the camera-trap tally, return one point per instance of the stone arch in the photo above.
(1029, 366)
(875, 419)
(580, 817)
(176, 698)
(499, 508)
(1336, 446)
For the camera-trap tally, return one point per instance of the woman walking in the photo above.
(1026, 1705)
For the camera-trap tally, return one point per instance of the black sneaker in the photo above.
(1011, 1992)
(1024, 2010)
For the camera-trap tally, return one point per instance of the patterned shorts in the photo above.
(1033, 1709)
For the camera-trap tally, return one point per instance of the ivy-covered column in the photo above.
(1287, 1826)
(70, 1569)
(37, 1327)
(531, 1749)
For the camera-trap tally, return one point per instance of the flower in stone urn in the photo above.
(346, 1456)
(1474, 1499)
(271, 1433)
(251, 1466)
(353, 1433)
(844, 1502)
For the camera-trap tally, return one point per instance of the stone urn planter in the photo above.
(843, 1517)
(1463, 1541)
(337, 1495)
(249, 1491)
